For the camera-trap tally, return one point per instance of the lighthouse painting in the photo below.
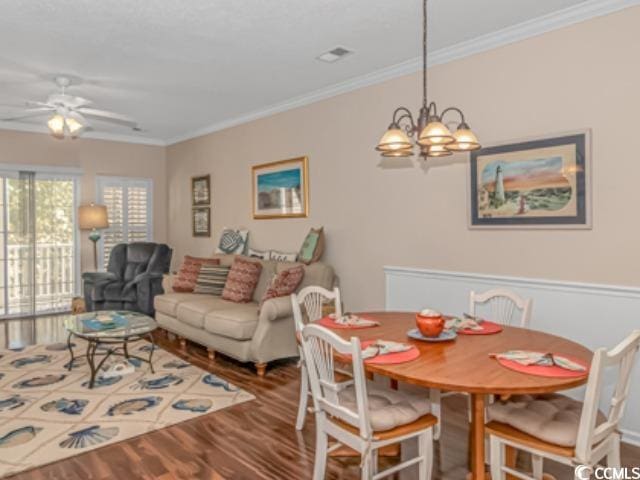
(538, 183)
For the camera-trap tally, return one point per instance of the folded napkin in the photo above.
(384, 347)
(525, 357)
(456, 324)
(352, 320)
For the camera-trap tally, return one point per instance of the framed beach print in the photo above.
(201, 221)
(281, 189)
(540, 183)
(201, 190)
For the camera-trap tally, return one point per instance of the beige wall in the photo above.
(582, 76)
(94, 157)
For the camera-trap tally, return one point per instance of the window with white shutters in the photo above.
(129, 208)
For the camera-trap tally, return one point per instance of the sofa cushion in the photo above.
(284, 284)
(388, 408)
(187, 276)
(194, 310)
(168, 302)
(552, 418)
(318, 274)
(233, 320)
(211, 279)
(242, 280)
(266, 277)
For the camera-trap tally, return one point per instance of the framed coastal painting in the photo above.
(281, 189)
(539, 183)
(201, 221)
(201, 190)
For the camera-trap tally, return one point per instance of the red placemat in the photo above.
(391, 358)
(488, 328)
(330, 323)
(544, 371)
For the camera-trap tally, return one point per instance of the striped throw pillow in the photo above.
(211, 279)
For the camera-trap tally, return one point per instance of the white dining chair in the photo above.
(580, 434)
(503, 307)
(312, 299)
(360, 414)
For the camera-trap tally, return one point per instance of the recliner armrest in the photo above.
(93, 277)
(276, 308)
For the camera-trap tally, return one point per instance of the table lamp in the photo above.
(93, 217)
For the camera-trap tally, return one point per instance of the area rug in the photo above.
(48, 413)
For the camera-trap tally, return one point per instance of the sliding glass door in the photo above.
(38, 240)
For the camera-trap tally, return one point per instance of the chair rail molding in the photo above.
(594, 315)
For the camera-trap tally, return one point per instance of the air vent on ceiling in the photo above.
(334, 55)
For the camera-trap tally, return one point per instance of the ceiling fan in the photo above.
(70, 114)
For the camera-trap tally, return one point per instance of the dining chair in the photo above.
(313, 299)
(503, 307)
(580, 434)
(360, 414)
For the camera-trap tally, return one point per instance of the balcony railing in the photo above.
(55, 277)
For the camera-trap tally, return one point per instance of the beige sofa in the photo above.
(239, 330)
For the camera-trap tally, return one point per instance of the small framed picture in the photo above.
(281, 189)
(201, 190)
(201, 221)
(536, 183)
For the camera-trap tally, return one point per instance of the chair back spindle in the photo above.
(504, 306)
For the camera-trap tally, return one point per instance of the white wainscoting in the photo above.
(594, 315)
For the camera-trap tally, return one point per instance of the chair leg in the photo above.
(366, 471)
(425, 451)
(536, 462)
(435, 396)
(497, 458)
(304, 397)
(322, 443)
(613, 457)
(374, 462)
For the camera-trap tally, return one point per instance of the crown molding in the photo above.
(90, 135)
(562, 18)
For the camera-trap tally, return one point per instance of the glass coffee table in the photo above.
(114, 329)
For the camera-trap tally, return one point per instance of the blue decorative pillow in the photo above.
(232, 241)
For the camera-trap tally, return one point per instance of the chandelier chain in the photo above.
(424, 53)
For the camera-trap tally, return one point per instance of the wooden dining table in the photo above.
(465, 365)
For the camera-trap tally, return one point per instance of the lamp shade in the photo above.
(438, 151)
(92, 217)
(435, 133)
(394, 139)
(464, 140)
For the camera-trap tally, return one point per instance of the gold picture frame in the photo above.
(281, 189)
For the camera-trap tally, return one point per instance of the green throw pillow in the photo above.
(312, 247)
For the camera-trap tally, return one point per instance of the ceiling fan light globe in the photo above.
(435, 133)
(56, 125)
(73, 126)
(394, 139)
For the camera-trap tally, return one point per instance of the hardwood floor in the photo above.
(254, 440)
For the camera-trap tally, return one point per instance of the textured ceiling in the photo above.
(179, 66)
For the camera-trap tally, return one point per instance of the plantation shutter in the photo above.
(129, 208)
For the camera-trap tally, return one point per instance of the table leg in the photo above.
(70, 347)
(91, 353)
(153, 348)
(477, 437)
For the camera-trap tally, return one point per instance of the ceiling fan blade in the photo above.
(77, 102)
(79, 118)
(32, 103)
(108, 116)
(36, 112)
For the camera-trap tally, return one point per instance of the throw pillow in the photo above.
(232, 241)
(212, 279)
(284, 283)
(187, 276)
(241, 281)
(282, 257)
(263, 255)
(312, 247)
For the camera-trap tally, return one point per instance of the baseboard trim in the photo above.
(631, 437)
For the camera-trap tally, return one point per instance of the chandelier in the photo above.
(430, 131)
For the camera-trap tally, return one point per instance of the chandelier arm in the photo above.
(400, 114)
(409, 127)
(454, 109)
(432, 110)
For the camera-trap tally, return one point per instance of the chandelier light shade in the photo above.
(430, 130)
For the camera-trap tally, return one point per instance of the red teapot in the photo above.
(430, 322)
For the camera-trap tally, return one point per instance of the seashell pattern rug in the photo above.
(48, 413)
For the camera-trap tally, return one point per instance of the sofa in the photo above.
(240, 330)
(133, 278)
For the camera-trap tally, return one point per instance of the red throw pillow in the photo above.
(284, 283)
(189, 271)
(241, 281)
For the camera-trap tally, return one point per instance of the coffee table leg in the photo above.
(153, 348)
(125, 349)
(91, 354)
(70, 351)
(477, 437)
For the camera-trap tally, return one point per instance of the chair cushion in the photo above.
(233, 320)
(242, 280)
(388, 408)
(168, 303)
(551, 418)
(193, 311)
